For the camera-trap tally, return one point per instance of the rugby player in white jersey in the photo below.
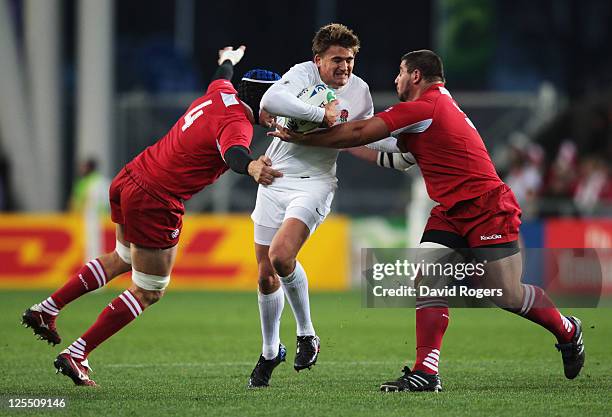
(289, 211)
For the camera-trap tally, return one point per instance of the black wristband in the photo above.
(238, 159)
(224, 71)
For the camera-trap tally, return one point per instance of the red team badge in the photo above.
(344, 114)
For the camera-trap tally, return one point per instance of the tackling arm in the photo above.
(238, 159)
(224, 71)
(228, 57)
(345, 135)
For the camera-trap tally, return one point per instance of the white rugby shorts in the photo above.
(308, 200)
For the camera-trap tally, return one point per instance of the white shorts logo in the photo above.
(175, 233)
(491, 237)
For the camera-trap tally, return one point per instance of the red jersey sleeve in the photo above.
(235, 132)
(408, 117)
(220, 84)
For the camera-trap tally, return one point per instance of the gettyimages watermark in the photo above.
(485, 277)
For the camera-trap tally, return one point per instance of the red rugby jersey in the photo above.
(446, 145)
(189, 156)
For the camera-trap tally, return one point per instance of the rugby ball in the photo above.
(317, 95)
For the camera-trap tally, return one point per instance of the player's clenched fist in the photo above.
(262, 172)
(331, 114)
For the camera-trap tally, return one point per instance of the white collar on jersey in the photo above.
(344, 87)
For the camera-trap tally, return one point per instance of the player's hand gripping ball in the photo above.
(317, 95)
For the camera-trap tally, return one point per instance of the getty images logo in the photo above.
(491, 237)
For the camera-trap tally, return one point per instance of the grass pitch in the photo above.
(192, 353)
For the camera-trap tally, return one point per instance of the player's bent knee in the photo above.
(124, 252)
(147, 297)
(282, 262)
(268, 281)
(265, 269)
(150, 282)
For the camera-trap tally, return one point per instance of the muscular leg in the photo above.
(271, 302)
(112, 262)
(154, 263)
(150, 273)
(286, 244)
(268, 281)
(283, 252)
(432, 315)
(505, 274)
(93, 275)
(528, 301)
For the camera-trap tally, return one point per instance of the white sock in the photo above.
(270, 310)
(295, 286)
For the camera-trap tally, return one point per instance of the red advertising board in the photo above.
(575, 270)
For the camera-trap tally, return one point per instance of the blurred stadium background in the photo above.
(87, 84)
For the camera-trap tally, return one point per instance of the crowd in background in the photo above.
(565, 169)
(568, 184)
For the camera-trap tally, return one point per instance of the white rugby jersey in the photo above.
(354, 103)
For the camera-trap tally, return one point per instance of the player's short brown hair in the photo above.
(334, 34)
(427, 62)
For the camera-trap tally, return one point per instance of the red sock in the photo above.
(118, 314)
(431, 323)
(540, 309)
(90, 277)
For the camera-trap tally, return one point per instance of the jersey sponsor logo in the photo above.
(318, 87)
(494, 236)
(175, 233)
(344, 114)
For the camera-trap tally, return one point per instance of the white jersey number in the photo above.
(469, 122)
(194, 114)
(467, 119)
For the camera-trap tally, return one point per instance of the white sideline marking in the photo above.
(497, 362)
(213, 364)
